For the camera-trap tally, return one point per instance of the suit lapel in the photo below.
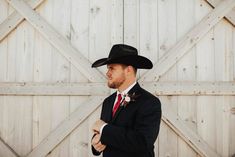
(110, 106)
(135, 90)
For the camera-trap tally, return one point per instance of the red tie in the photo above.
(117, 104)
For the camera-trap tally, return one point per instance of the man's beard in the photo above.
(116, 84)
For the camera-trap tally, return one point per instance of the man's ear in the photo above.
(130, 69)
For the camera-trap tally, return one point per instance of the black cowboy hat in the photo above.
(124, 54)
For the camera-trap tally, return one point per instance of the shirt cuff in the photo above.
(101, 128)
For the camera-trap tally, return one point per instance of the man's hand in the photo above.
(97, 125)
(97, 144)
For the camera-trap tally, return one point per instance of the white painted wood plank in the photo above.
(167, 37)
(149, 29)
(230, 16)
(117, 25)
(167, 33)
(50, 89)
(206, 104)
(159, 88)
(79, 137)
(232, 127)
(59, 112)
(60, 106)
(66, 127)
(24, 52)
(14, 19)
(41, 111)
(131, 23)
(42, 106)
(224, 71)
(61, 43)
(6, 151)
(100, 33)
(194, 140)
(186, 72)
(189, 40)
(3, 44)
(79, 34)
(80, 13)
(16, 121)
(190, 88)
(169, 148)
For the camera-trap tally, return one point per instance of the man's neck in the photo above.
(124, 86)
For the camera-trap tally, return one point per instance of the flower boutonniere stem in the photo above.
(128, 98)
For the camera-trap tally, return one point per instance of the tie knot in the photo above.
(119, 97)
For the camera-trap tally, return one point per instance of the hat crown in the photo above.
(124, 54)
(121, 50)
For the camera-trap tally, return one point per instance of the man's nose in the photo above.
(108, 73)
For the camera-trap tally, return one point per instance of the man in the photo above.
(130, 118)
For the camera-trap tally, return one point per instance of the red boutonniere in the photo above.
(128, 98)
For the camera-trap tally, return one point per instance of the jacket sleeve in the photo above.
(94, 151)
(141, 138)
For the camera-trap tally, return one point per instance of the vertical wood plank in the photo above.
(168, 148)
(149, 29)
(186, 72)
(42, 73)
(79, 30)
(100, 32)
(148, 34)
(206, 72)
(60, 72)
(3, 44)
(166, 26)
(167, 37)
(224, 72)
(131, 22)
(17, 123)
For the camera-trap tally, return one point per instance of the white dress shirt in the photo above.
(122, 93)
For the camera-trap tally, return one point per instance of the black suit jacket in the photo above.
(134, 128)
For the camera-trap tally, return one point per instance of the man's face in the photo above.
(115, 75)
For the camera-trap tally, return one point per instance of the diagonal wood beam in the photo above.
(66, 127)
(188, 41)
(6, 150)
(15, 19)
(176, 88)
(230, 16)
(188, 135)
(58, 41)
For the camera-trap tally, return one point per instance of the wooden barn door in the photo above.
(50, 96)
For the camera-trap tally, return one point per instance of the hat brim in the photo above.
(138, 62)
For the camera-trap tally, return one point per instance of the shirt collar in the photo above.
(127, 90)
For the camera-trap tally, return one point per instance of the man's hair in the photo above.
(134, 68)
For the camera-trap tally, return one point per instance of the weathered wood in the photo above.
(230, 16)
(188, 41)
(49, 89)
(186, 105)
(15, 19)
(57, 40)
(189, 136)
(6, 150)
(190, 88)
(87, 89)
(66, 127)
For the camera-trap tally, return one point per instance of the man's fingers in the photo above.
(95, 139)
(99, 147)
